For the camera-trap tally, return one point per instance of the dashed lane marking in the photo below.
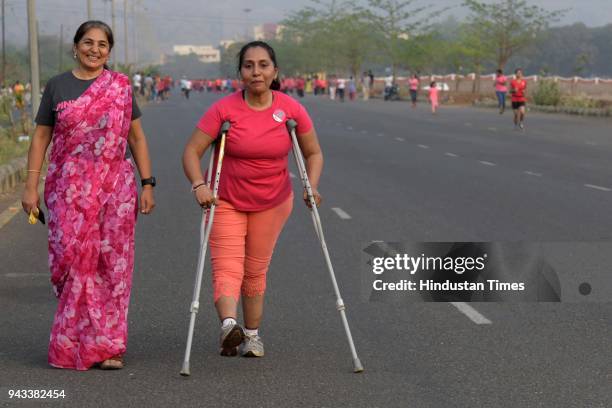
(472, 314)
(486, 163)
(600, 188)
(341, 213)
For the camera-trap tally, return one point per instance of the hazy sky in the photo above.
(158, 24)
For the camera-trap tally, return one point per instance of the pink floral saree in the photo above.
(91, 195)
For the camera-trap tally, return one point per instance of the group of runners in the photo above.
(152, 87)
(517, 88)
(339, 88)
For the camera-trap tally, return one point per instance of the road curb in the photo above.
(12, 173)
(594, 112)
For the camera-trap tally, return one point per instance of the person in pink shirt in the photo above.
(500, 90)
(413, 83)
(433, 97)
(255, 196)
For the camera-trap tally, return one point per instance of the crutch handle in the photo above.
(291, 125)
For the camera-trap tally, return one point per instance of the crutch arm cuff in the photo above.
(225, 127)
(291, 125)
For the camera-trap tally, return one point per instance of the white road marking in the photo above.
(532, 173)
(349, 128)
(423, 146)
(468, 124)
(471, 313)
(380, 134)
(597, 187)
(399, 139)
(486, 163)
(450, 154)
(492, 129)
(591, 143)
(364, 132)
(341, 213)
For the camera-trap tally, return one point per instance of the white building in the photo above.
(267, 31)
(207, 53)
(226, 43)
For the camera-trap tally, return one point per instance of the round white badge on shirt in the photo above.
(278, 115)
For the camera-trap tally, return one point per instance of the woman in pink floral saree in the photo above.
(91, 195)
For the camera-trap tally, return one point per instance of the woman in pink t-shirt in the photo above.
(414, 89)
(500, 90)
(255, 195)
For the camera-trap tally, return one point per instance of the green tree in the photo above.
(228, 64)
(396, 22)
(511, 24)
(334, 36)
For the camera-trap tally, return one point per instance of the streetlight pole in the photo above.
(34, 69)
(125, 29)
(114, 31)
(246, 16)
(89, 14)
(3, 48)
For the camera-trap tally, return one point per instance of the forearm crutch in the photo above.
(299, 161)
(205, 228)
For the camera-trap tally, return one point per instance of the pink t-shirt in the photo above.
(414, 84)
(433, 94)
(255, 176)
(500, 84)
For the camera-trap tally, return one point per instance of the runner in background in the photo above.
(365, 85)
(352, 88)
(433, 97)
(518, 86)
(340, 88)
(500, 90)
(299, 85)
(185, 87)
(333, 83)
(413, 83)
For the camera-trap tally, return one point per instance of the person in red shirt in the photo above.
(500, 90)
(255, 196)
(518, 88)
(300, 83)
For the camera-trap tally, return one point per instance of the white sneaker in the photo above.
(252, 346)
(230, 338)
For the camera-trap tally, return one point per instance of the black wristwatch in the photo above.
(148, 182)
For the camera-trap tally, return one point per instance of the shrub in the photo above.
(547, 93)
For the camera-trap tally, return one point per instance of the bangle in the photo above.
(34, 171)
(194, 188)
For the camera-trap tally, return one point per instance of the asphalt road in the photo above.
(391, 174)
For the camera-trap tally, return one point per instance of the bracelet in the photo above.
(194, 188)
(34, 171)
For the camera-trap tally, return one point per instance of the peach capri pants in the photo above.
(241, 246)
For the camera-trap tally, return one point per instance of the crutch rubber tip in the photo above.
(357, 367)
(185, 371)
